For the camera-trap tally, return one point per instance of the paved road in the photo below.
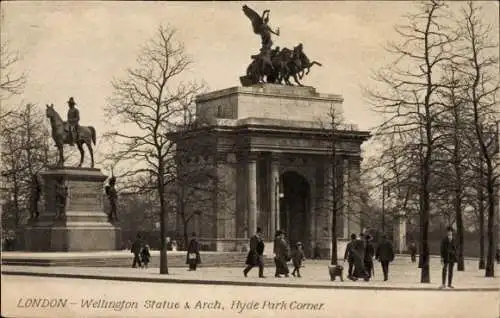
(404, 275)
(130, 299)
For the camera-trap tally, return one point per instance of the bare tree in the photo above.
(454, 125)
(479, 68)
(150, 102)
(411, 105)
(24, 145)
(11, 81)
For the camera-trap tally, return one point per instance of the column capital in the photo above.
(275, 158)
(252, 156)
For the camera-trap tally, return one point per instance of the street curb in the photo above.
(234, 283)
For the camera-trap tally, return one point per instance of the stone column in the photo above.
(274, 190)
(252, 194)
(400, 232)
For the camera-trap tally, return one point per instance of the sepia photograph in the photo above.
(250, 159)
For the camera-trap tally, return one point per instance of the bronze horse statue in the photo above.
(60, 134)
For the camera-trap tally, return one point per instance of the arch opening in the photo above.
(295, 205)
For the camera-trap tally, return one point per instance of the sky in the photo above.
(77, 48)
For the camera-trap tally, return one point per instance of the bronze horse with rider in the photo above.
(62, 136)
(277, 66)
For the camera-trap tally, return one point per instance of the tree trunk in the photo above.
(460, 232)
(424, 258)
(490, 265)
(481, 223)
(163, 226)
(424, 224)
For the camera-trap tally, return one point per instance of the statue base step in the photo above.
(70, 238)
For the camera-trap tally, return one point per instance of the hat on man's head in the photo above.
(259, 230)
(299, 243)
(71, 101)
(278, 233)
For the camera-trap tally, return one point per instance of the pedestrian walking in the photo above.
(368, 259)
(136, 250)
(255, 256)
(193, 253)
(358, 251)
(349, 256)
(385, 254)
(413, 252)
(448, 257)
(297, 258)
(281, 255)
(145, 256)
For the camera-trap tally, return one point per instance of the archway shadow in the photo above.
(295, 216)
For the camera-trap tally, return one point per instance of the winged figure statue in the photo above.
(260, 26)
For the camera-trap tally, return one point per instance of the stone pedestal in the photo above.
(84, 225)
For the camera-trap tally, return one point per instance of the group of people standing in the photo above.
(282, 255)
(360, 252)
(141, 251)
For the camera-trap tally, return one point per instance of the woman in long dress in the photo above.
(282, 255)
(193, 253)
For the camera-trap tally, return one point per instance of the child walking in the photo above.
(145, 256)
(297, 258)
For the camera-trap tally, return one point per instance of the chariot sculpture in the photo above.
(274, 65)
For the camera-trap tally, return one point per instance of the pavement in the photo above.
(404, 275)
(29, 296)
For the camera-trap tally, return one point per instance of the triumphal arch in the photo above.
(270, 147)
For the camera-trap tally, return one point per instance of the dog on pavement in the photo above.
(336, 270)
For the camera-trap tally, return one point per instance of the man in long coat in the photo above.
(369, 253)
(349, 256)
(136, 250)
(448, 257)
(255, 255)
(385, 254)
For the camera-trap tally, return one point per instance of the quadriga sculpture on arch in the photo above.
(274, 65)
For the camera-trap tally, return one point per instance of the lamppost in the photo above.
(277, 196)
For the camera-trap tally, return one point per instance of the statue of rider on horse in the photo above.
(274, 65)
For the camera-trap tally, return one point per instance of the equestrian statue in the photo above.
(274, 65)
(70, 132)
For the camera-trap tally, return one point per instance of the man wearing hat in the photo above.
(255, 255)
(73, 120)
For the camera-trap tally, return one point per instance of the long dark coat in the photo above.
(358, 253)
(349, 253)
(385, 251)
(256, 251)
(136, 246)
(282, 256)
(193, 247)
(449, 250)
